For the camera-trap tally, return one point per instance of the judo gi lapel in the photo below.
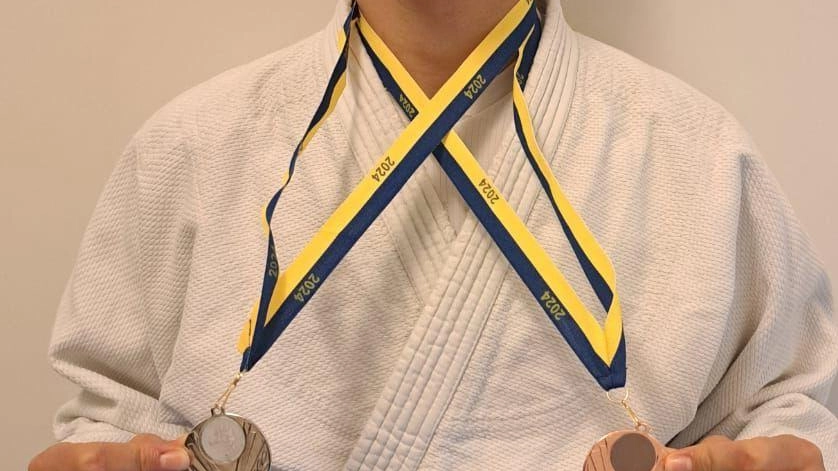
(416, 218)
(458, 277)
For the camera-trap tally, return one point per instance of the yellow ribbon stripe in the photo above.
(300, 267)
(604, 342)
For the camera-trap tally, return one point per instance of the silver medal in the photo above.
(227, 442)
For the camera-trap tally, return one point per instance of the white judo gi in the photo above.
(424, 350)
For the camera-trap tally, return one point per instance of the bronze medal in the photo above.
(627, 450)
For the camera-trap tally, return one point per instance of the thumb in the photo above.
(144, 453)
(780, 453)
(143, 456)
(179, 442)
(151, 450)
(715, 453)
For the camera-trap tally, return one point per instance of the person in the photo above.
(424, 349)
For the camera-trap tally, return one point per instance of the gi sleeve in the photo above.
(101, 336)
(781, 343)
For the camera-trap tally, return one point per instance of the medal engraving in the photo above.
(628, 450)
(227, 442)
(222, 439)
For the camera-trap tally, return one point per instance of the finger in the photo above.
(173, 453)
(784, 452)
(147, 439)
(765, 454)
(685, 459)
(179, 441)
(714, 454)
(707, 441)
(715, 440)
(138, 455)
(159, 443)
(144, 456)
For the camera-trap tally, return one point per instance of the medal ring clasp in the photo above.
(639, 425)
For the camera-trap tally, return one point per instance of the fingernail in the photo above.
(679, 463)
(174, 460)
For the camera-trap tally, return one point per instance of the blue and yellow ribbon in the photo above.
(601, 349)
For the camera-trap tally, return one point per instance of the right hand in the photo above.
(718, 453)
(142, 453)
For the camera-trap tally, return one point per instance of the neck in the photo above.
(431, 38)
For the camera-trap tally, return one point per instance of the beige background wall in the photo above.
(78, 78)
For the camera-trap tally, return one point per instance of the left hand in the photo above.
(718, 453)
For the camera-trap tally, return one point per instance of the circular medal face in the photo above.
(625, 451)
(222, 439)
(226, 442)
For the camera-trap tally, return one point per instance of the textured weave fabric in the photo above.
(482, 130)
(424, 350)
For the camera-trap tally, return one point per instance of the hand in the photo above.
(143, 453)
(717, 453)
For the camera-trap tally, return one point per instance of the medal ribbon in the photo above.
(601, 350)
(284, 295)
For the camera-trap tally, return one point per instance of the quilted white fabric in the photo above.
(424, 350)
